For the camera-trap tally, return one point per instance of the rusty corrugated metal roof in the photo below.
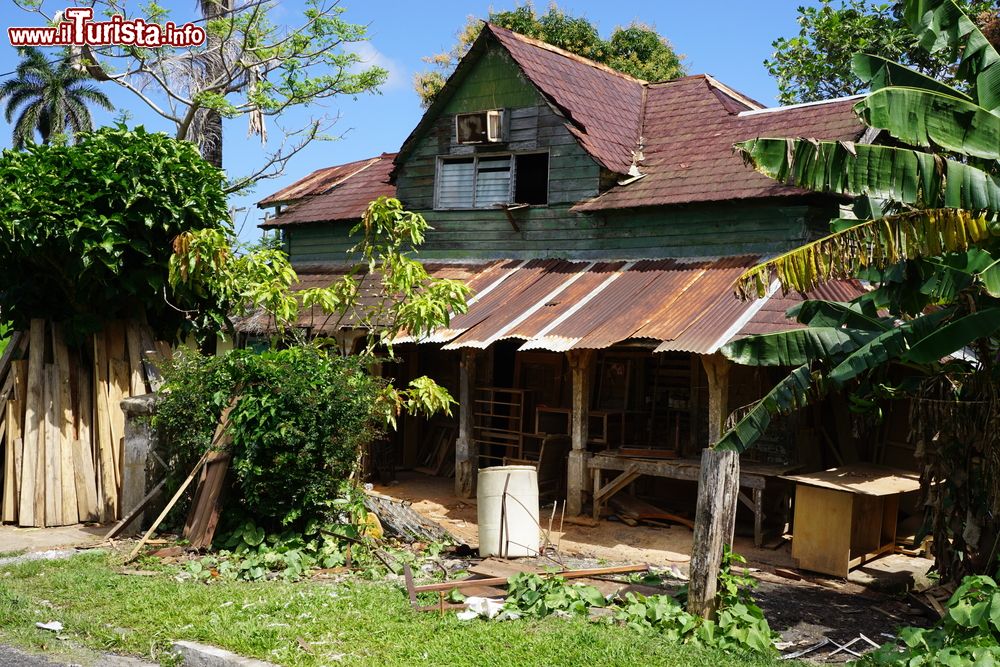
(320, 181)
(562, 305)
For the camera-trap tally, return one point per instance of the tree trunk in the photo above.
(210, 136)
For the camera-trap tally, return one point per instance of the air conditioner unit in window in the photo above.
(482, 127)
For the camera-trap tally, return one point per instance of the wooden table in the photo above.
(847, 516)
(753, 476)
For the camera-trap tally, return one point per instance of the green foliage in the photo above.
(299, 419)
(533, 596)
(52, 98)
(739, 627)
(816, 63)
(967, 635)
(86, 230)
(5, 332)
(248, 554)
(637, 49)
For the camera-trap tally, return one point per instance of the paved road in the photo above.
(12, 657)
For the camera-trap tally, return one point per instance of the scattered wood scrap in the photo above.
(399, 520)
(633, 510)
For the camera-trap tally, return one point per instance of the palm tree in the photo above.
(49, 97)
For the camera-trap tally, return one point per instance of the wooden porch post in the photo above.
(718, 491)
(717, 370)
(578, 474)
(466, 454)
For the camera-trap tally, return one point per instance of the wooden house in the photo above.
(601, 222)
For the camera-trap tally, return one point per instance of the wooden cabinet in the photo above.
(846, 516)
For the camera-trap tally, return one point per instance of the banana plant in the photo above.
(931, 242)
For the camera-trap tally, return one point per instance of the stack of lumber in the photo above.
(62, 428)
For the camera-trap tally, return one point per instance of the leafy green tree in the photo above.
(930, 244)
(252, 66)
(637, 49)
(49, 97)
(86, 229)
(816, 63)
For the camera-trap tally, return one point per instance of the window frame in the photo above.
(441, 159)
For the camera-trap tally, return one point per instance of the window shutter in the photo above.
(493, 181)
(455, 179)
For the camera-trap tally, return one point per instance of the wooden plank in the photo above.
(821, 539)
(32, 494)
(118, 390)
(862, 478)
(66, 431)
(19, 369)
(108, 498)
(502, 581)
(53, 452)
(206, 507)
(85, 479)
(133, 339)
(12, 460)
(135, 512)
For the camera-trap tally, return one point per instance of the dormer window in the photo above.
(488, 181)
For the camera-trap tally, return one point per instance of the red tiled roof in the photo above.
(346, 199)
(317, 182)
(689, 134)
(604, 106)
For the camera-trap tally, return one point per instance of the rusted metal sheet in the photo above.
(322, 180)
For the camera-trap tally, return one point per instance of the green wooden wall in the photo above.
(690, 231)
(494, 81)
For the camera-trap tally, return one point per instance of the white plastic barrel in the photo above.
(508, 521)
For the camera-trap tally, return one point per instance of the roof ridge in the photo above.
(568, 54)
(801, 105)
(732, 92)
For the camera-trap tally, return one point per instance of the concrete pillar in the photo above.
(578, 482)
(717, 369)
(466, 452)
(138, 458)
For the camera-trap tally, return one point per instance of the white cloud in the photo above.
(370, 57)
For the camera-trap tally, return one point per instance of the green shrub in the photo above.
(299, 420)
(969, 633)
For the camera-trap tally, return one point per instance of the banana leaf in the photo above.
(954, 336)
(990, 279)
(886, 347)
(795, 391)
(940, 25)
(796, 346)
(923, 118)
(883, 172)
(874, 244)
(877, 72)
(822, 313)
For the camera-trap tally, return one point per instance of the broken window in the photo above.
(491, 180)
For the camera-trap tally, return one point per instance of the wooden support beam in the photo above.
(578, 477)
(717, 370)
(715, 520)
(466, 454)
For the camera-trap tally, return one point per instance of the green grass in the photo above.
(364, 623)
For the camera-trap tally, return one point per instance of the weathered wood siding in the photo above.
(496, 83)
(692, 231)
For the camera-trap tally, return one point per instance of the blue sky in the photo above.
(726, 38)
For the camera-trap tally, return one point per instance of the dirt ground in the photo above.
(805, 611)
